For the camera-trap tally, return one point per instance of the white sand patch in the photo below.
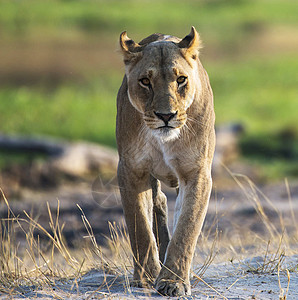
(241, 280)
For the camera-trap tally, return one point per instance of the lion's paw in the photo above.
(140, 283)
(172, 288)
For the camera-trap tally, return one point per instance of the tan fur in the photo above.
(177, 155)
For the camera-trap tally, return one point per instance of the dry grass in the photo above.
(271, 248)
(30, 267)
(27, 268)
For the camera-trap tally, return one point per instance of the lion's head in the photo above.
(162, 77)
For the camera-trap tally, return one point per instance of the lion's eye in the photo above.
(145, 81)
(181, 79)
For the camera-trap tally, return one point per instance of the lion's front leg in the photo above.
(173, 279)
(160, 218)
(136, 196)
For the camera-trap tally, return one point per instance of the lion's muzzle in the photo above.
(166, 118)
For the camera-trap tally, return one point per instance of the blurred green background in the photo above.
(60, 69)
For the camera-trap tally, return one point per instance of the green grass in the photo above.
(173, 16)
(261, 94)
(85, 112)
(252, 85)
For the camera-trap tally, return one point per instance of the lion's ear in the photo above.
(191, 43)
(130, 49)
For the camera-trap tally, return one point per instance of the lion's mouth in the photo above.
(167, 127)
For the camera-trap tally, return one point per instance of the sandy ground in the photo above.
(234, 211)
(221, 281)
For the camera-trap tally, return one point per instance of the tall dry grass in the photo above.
(29, 266)
(26, 267)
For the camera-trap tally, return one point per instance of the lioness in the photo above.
(165, 131)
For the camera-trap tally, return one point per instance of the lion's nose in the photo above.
(165, 117)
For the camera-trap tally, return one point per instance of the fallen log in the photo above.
(81, 159)
(71, 159)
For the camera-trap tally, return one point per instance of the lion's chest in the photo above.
(152, 157)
